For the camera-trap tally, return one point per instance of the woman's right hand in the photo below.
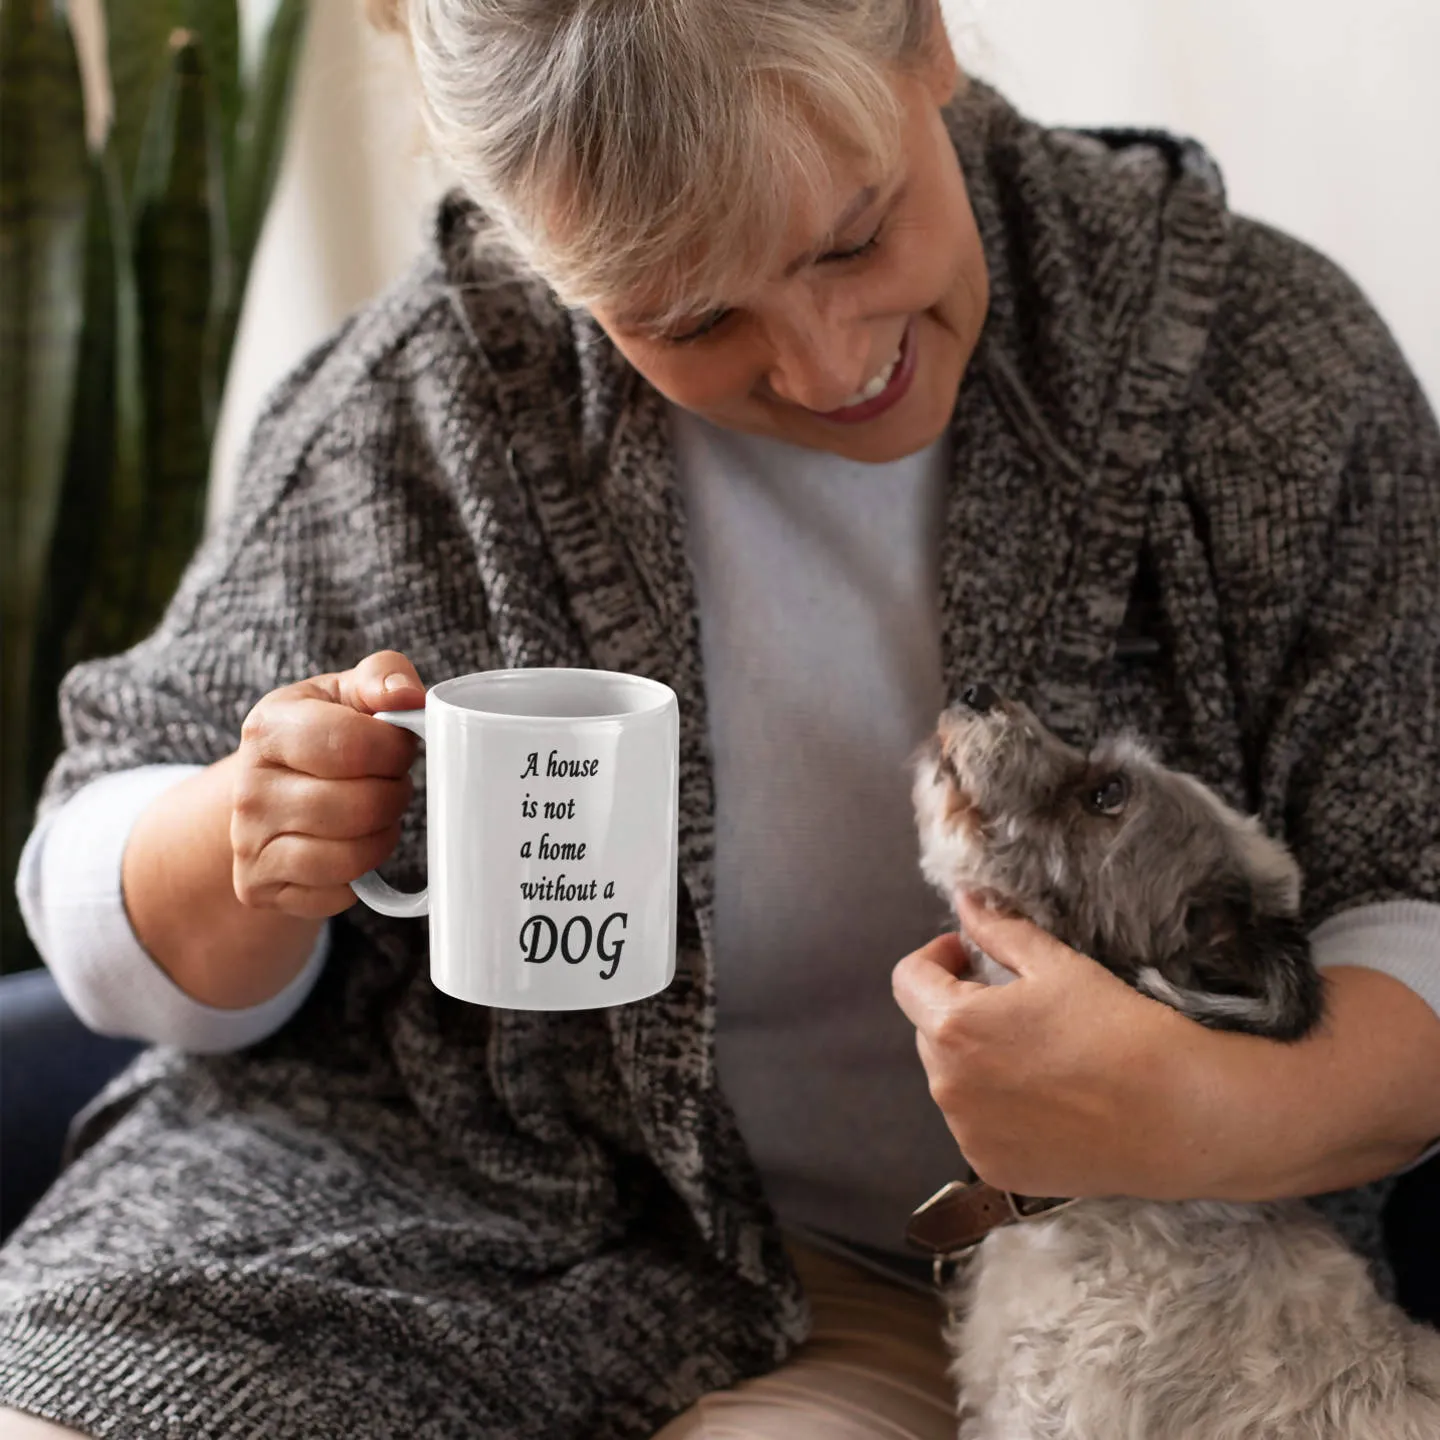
(320, 786)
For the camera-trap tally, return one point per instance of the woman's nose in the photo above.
(820, 368)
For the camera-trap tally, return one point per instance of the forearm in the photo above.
(179, 894)
(1356, 1101)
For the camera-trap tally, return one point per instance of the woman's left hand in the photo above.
(1065, 1081)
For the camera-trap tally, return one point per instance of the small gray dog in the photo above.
(1121, 1319)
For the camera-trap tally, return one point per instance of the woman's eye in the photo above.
(856, 253)
(717, 316)
(703, 328)
(1109, 796)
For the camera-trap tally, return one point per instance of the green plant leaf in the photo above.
(212, 28)
(260, 148)
(217, 22)
(138, 37)
(138, 51)
(82, 519)
(95, 561)
(175, 263)
(44, 184)
(264, 119)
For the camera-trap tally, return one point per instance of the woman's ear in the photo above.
(940, 70)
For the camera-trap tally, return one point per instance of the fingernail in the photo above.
(397, 682)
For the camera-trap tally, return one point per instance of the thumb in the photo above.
(385, 680)
(1012, 941)
(927, 981)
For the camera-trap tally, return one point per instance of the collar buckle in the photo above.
(957, 1217)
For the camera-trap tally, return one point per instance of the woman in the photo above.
(844, 384)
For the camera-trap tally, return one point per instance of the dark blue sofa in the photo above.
(50, 1065)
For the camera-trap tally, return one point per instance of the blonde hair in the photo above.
(656, 147)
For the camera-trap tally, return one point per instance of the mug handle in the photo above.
(379, 894)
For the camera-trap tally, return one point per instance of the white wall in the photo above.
(1324, 116)
(349, 212)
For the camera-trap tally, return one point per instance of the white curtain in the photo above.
(1323, 114)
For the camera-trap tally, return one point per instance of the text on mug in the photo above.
(541, 931)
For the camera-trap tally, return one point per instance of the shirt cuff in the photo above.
(69, 887)
(1400, 938)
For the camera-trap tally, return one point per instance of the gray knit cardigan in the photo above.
(1196, 490)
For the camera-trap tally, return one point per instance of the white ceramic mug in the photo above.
(553, 841)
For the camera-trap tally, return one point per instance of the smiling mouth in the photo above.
(885, 391)
(881, 393)
(874, 387)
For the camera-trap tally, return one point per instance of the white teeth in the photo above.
(875, 386)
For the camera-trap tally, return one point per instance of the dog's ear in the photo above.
(1279, 949)
(1233, 950)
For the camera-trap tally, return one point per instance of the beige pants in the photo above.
(872, 1369)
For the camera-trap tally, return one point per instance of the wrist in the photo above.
(1266, 1120)
(179, 895)
(1207, 1129)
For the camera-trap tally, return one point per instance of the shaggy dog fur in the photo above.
(1120, 1319)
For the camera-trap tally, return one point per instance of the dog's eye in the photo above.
(1109, 796)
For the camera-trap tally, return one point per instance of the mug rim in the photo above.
(663, 696)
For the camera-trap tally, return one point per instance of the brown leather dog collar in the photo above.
(958, 1217)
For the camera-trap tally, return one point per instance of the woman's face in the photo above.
(902, 273)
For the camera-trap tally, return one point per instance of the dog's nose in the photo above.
(979, 698)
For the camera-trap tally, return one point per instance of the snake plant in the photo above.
(122, 271)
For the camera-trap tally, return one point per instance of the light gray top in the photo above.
(816, 582)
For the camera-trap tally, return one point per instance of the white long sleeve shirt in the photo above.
(68, 884)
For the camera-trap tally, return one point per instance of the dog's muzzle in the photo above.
(980, 698)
